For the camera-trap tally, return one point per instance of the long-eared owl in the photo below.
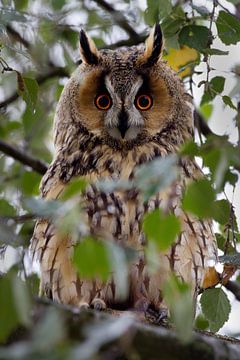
(121, 109)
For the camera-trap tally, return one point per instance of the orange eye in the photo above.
(103, 102)
(143, 102)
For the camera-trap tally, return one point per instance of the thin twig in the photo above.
(17, 37)
(118, 17)
(37, 165)
(234, 287)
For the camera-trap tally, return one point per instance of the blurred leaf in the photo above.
(235, 2)
(91, 259)
(75, 187)
(21, 300)
(43, 208)
(119, 265)
(202, 10)
(189, 148)
(14, 304)
(30, 182)
(49, 331)
(177, 59)
(228, 27)
(201, 322)
(195, 36)
(199, 198)
(220, 241)
(21, 4)
(8, 313)
(233, 259)
(163, 230)
(157, 10)
(213, 51)
(58, 4)
(221, 211)
(173, 22)
(206, 110)
(30, 93)
(228, 101)
(156, 175)
(6, 209)
(215, 307)
(178, 297)
(8, 14)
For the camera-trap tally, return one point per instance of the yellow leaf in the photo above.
(177, 59)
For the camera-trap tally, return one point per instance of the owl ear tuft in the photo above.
(154, 46)
(88, 49)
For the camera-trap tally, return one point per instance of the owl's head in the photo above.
(127, 95)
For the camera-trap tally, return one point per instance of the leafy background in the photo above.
(39, 50)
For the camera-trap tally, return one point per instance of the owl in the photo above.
(119, 110)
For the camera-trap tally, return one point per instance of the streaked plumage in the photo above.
(112, 143)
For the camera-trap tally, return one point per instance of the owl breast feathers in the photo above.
(121, 109)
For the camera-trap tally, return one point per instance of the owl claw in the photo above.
(83, 305)
(157, 316)
(98, 304)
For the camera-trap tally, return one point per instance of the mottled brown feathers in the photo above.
(91, 143)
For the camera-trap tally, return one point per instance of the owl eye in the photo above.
(103, 102)
(143, 102)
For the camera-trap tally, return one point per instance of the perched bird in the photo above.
(121, 109)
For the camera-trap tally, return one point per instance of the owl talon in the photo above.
(157, 316)
(84, 305)
(98, 304)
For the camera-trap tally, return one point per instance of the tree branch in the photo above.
(201, 124)
(17, 37)
(119, 18)
(234, 287)
(26, 159)
(89, 334)
(54, 72)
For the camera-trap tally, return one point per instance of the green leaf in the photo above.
(163, 230)
(156, 175)
(57, 4)
(233, 259)
(217, 84)
(221, 241)
(173, 22)
(228, 27)
(6, 209)
(75, 187)
(201, 323)
(213, 51)
(199, 198)
(221, 211)
(157, 10)
(227, 101)
(8, 313)
(14, 304)
(91, 259)
(195, 36)
(206, 111)
(179, 299)
(21, 4)
(21, 300)
(214, 87)
(30, 93)
(189, 148)
(30, 183)
(215, 307)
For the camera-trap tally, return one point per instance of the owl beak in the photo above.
(123, 125)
